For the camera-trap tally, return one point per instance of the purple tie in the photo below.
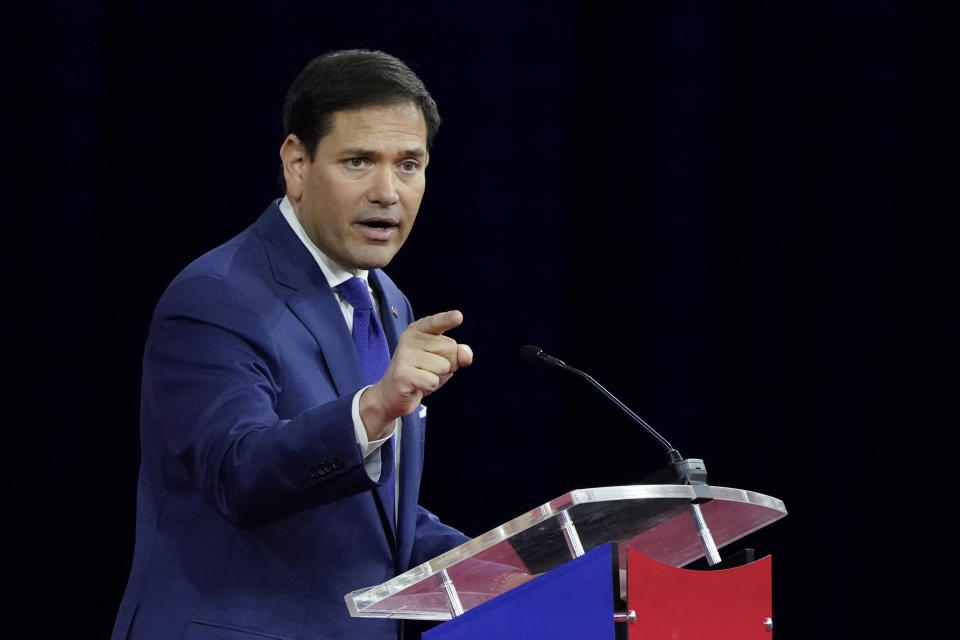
(368, 335)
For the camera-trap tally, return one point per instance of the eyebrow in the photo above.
(418, 152)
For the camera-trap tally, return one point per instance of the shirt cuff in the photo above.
(371, 462)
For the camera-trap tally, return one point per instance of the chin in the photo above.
(375, 257)
(377, 261)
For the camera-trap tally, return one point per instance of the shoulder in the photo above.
(235, 259)
(235, 277)
(225, 268)
(242, 257)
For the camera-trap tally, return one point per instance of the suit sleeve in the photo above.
(210, 386)
(433, 537)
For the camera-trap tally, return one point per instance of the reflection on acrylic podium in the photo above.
(551, 573)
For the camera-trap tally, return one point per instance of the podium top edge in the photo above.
(656, 491)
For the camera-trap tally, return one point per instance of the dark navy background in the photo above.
(740, 217)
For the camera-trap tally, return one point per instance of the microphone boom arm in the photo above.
(691, 471)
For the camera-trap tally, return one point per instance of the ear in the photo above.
(293, 155)
(426, 160)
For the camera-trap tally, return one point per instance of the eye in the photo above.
(409, 166)
(356, 163)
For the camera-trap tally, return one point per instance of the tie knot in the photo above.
(356, 293)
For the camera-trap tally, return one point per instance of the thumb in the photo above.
(464, 355)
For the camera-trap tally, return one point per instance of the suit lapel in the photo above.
(390, 304)
(319, 311)
(312, 300)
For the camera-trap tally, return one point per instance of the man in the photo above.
(281, 443)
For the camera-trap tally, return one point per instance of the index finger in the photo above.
(438, 323)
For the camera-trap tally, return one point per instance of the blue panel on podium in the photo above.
(574, 601)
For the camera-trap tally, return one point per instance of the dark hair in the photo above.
(351, 79)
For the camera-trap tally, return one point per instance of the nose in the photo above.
(383, 189)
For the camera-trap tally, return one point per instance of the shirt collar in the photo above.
(333, 272)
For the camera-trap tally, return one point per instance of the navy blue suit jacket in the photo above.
(254, 512)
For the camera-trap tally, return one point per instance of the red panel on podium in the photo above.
(680, 604)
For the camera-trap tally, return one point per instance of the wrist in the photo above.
(376, 420)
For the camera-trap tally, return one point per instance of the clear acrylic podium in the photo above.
(658, 521)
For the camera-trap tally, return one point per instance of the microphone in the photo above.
(690, 471)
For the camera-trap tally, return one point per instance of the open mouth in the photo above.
(379, 224)
(379, 229)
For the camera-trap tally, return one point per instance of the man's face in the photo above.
(357, 199)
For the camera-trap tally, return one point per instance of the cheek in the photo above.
(412, 199)
(339, 202)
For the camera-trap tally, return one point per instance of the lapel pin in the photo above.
(393, 310)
